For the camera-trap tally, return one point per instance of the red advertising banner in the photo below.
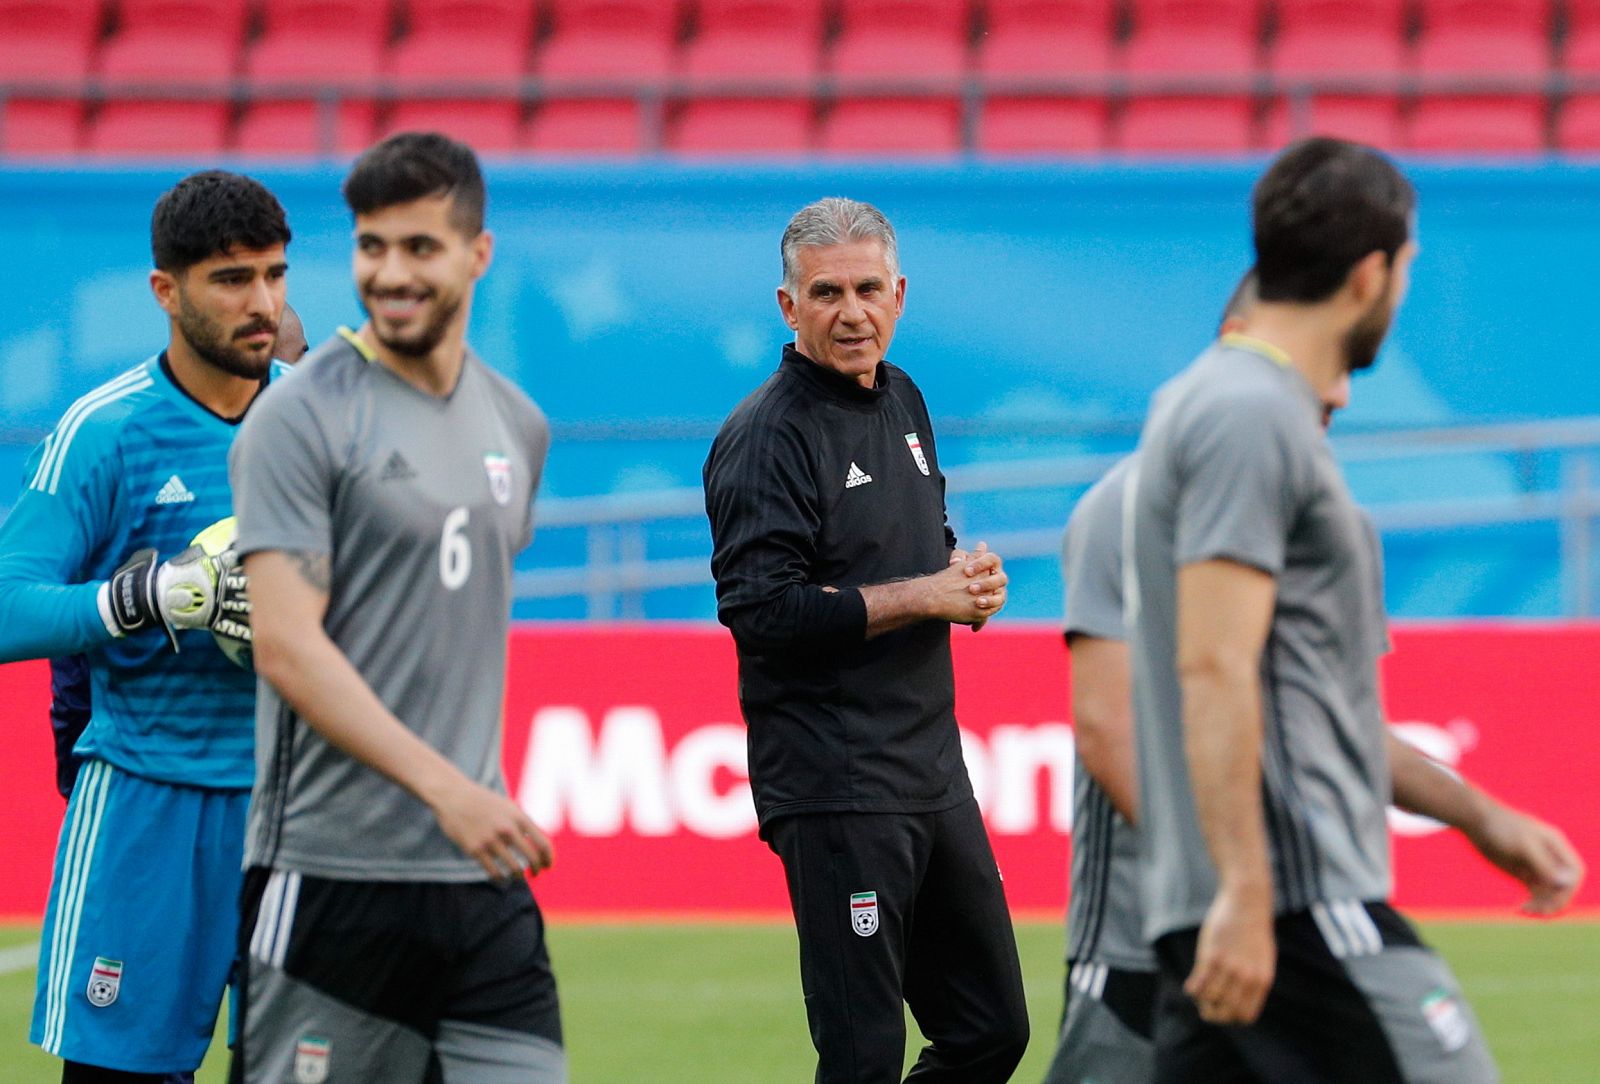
(625, 743)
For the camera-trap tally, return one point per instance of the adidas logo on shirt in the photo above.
(856, 477)
(396, 469)
(174, 492)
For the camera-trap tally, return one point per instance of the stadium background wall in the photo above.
(635, 303)
(625, 742)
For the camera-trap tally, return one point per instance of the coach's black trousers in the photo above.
(934, 933)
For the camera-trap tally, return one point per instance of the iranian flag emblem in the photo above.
(311, 1055)
(915, 445)
(864, 913)
(105, 982)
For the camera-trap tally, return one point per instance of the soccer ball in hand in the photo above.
(230, 622)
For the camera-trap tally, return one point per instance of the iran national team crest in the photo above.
(498, 467)
(1449, 1023)
(105, 981)
(864, 913)
(916, 452)
(311, 1059)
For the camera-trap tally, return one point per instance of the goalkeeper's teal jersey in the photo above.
(135, 463)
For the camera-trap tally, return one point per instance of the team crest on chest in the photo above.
(311, 1056)
(105, 982)
(498, 467)
(916, 452)
(864, 913)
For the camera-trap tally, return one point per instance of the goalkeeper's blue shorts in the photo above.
(139, 938)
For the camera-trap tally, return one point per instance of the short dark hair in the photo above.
(1243, 299)
(211, 213)
(414, 165)
(1320, 208)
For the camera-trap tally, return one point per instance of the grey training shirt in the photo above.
(422, 502)
(1104, 912)
(1233, 465)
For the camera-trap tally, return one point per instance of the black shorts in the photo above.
(1356, 999)
(362, 980)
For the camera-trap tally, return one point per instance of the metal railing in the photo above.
(657, 97)
(619, 570)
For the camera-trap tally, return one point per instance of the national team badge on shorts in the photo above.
(311, 1059)
(916, 452)
(864, 913)
(498, 468)
(105, 981)
(1450, 1025)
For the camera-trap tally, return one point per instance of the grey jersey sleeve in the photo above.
(1091, 561)
(1374, 541)
(535, 431)
(1246, 470)
(282, 476)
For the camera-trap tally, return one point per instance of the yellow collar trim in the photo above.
(358, 342)
(1258, 346)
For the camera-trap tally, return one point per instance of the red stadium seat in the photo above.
(187, 129)
(489, 127)
(1578, 125)
(893, 127)
(1048, 37)
(47, 39)
(1356, 37)
(1043, 126)
(175, 40)
(585, 128)
(743, 38)
(1206, 18)
(1373, 120)
(902, 39)
(1485, 38)
(742, 127)
(1581, 50)
(464, 39)
(287, 59)
(610, 39)
(1187, 125)
(40, 127)
(345, 20)
(295, 128)
(1478, 125)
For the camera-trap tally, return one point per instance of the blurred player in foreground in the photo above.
(388, 932)
(70, 696)
(840, 578)
(1106, 1034)
(1255, 630)
(134, 470)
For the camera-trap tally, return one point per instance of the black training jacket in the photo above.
(814, 482)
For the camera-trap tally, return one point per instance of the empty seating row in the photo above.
(1003, 126)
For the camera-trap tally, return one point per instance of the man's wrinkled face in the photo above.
(843, 307)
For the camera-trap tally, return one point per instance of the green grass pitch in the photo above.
(664, 1004)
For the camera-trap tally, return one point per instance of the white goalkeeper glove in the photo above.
(180, 593)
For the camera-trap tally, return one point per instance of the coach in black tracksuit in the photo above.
(839, 577)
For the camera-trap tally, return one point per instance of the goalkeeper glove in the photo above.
(170, 595)
(231, 625)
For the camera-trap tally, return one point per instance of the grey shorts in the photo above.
(1105, 1032)
(404, 983)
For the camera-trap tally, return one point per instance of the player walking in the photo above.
(1256, 627)
(387, 930)
(155, 823)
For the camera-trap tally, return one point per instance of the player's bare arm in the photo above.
(966, 592)
(295, 654)
(1224, 612)
(1535, 853)
(1102, 714)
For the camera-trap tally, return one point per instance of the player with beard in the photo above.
(1256, 627)
(388, 933)
(155, 823)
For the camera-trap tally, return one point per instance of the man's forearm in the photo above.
(325, 690)
(39, 621)
(1423, 787)
(895, 605)
(1222, 739)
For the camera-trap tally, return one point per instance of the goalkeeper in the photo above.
(95, 558)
